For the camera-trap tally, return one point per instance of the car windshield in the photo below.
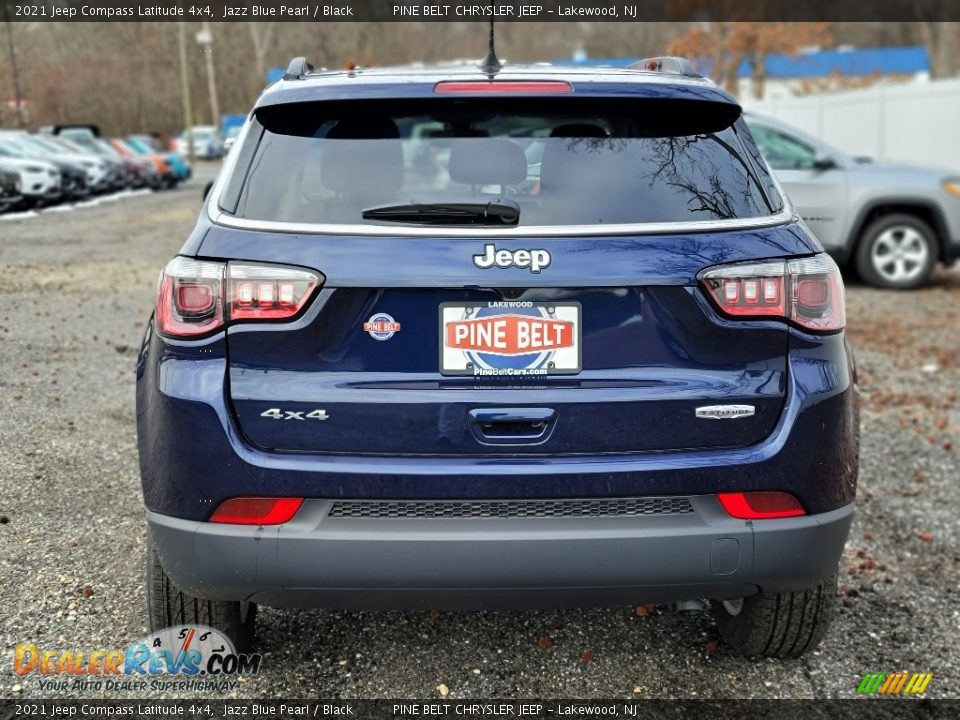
(74, 147)
(139, 146)
(105, 148)
(47, 145)
(78, 136)
(12, 148)
(148, 143)
(586, 163)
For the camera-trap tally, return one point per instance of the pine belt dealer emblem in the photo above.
(381, 326)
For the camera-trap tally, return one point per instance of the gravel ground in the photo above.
(75, 290)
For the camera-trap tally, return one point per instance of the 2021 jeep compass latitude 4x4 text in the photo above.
(451, 339)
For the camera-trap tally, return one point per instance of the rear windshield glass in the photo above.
(585, 163)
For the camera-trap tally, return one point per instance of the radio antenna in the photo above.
(491, 65)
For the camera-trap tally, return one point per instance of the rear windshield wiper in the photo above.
(495, 212)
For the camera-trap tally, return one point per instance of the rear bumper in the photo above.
(471, 563)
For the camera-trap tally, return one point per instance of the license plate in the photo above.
(510, 339)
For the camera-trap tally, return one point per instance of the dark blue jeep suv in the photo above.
(463, 338)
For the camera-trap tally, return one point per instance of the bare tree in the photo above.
(125, 77)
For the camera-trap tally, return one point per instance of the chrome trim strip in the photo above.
(662, 228)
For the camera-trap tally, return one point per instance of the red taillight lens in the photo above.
(262, 292)
(760, 505)
(189, 298)
(808, 291)
(197, 297)
(256, 511)
(531, 87)
(817, 296)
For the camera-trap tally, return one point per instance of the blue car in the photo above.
(399, 365)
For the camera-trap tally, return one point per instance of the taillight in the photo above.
(762, 505)
(198, 297)
(262, 292)
(190, 298)
(256, 511)
(806, 291)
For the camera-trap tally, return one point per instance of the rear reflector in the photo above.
(760, 505)
(532, 87)
(808, 291)
(256, 511)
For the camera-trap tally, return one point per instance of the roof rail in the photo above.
(298, 68)
(670, 65)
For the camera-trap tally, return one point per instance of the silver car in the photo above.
(891, 223)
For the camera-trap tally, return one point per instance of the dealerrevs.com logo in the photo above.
(899, 683)
(184, 658)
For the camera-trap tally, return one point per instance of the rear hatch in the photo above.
(502, 277)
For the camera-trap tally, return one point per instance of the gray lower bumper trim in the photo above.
(316, 560)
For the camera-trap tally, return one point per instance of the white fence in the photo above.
(917, 123)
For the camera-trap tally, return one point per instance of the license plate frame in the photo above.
(548, 319)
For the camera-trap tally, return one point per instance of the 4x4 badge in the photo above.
(534, 260)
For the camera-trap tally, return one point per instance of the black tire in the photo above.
(779, 625)
(168, 606)
(891, 226)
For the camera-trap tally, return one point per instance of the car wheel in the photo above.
(897, 251)
(778, 625)
(168, 605)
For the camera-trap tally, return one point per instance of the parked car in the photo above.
(114, 177)
(135, 171)
(232, 134)
(83, 172)
(40, 181)
(156, 170)
(147, 145)
(892, 223)
(207, 143)
(10, 196)
(371, 384)
(74, 177)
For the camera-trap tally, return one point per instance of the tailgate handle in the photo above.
(512, 424)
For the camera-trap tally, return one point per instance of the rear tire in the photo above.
(168, 605)
(897, 251)
(778, 625)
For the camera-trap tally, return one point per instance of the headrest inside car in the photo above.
(494, 161)
(375, 160)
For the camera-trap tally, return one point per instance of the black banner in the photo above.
(481, 709)
(481, 10)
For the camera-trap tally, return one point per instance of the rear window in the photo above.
(574, 162)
